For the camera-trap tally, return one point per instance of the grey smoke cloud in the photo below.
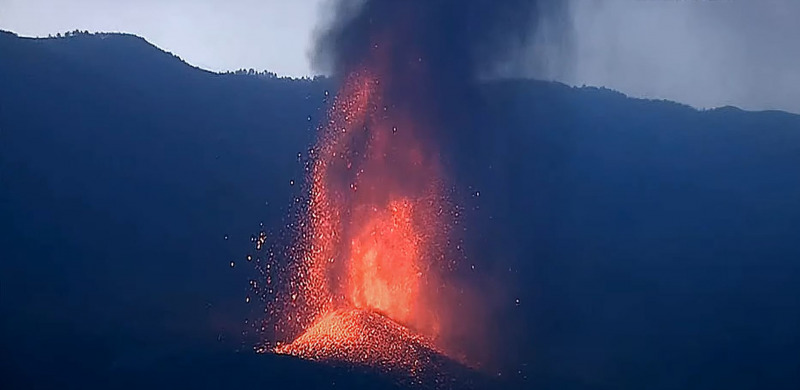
(704, 53)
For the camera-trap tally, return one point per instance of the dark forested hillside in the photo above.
(650, 245)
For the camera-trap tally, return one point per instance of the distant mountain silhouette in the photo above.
(621, 243)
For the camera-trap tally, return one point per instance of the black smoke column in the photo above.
(433, 50)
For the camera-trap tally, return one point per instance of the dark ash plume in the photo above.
(432, 52)
(456, 39)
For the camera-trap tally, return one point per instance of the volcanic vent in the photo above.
(364, 338)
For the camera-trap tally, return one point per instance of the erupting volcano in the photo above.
(372, 278)
(377, 222)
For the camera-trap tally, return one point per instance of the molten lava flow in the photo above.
(366, 289)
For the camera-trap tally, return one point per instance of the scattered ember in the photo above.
(365, 289)
(366, 281)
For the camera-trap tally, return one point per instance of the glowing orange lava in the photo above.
(350, 335)
(366, 291)
(383, 271)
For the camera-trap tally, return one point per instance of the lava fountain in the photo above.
(375, 249)
(373, 280)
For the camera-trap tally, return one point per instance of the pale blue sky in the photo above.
(704, 53)
(212, 34)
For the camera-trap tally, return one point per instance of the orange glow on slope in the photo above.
(350, 335)
(366, 291)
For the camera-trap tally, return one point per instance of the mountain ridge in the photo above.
(616, 242)
(116, 36)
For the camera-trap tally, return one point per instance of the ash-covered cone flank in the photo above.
(362, 338)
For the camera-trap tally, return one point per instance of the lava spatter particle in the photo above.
(365, 289)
